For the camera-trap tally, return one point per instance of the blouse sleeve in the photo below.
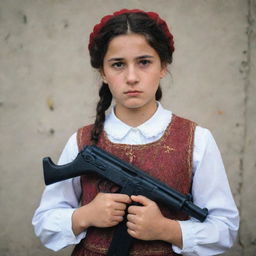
(52, 219)
(210, 189)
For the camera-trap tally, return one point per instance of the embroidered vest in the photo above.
(169, 159)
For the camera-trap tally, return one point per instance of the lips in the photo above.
(132, 92)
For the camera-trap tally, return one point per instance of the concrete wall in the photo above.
(48, 90)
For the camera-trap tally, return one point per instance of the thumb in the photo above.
(141, 199)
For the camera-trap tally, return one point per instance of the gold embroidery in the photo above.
(168, 149)
(190, 148)
(131, 155)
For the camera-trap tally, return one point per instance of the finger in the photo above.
(119, 213)
(141, 199)
(117, 219)
(132, 233)
(131, 218)
(113, 223)
(131, 225)
(122, 198)
(134, 210)
(120, 206)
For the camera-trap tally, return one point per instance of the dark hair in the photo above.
(138, 23)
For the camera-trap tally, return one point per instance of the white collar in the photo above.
(117, 129)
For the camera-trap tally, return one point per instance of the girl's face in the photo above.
(132, 69)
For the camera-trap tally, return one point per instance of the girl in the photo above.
(131, 49)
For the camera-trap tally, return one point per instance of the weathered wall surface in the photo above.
(48, 90)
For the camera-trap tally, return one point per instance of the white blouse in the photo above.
(210, 189)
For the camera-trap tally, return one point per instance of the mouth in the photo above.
(132, 93)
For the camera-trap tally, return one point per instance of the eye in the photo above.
(117, 65)
(144, 63)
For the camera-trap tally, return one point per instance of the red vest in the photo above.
(168, 159)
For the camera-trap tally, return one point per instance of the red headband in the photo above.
(154, 16)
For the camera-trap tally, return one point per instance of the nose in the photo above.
(132, 76)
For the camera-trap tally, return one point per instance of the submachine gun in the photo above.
(130, 179)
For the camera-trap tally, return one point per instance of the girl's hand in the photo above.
(105, 210)
(146, 222)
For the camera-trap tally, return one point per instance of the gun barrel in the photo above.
(195, 211)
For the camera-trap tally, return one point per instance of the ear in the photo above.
(163, 71)
(103, 76)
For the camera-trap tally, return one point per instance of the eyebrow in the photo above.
(137, 58)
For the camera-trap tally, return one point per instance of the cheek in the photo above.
(154, 80)
(112, 79)
(114, 88)
(116, 82)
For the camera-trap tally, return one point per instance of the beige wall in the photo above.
(48, 90)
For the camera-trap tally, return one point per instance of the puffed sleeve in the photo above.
(52, 219)
(210, 189)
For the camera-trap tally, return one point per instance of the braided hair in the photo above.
(139, 23)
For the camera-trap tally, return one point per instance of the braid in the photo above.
(102, 106)
(159, 93)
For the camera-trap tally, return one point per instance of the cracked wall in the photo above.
(247, 236)
(48, 90)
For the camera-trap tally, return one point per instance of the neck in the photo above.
(135, 116)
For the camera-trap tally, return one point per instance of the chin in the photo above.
(134, 103)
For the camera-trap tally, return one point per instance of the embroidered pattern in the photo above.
(168, 149)
(130, 154)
